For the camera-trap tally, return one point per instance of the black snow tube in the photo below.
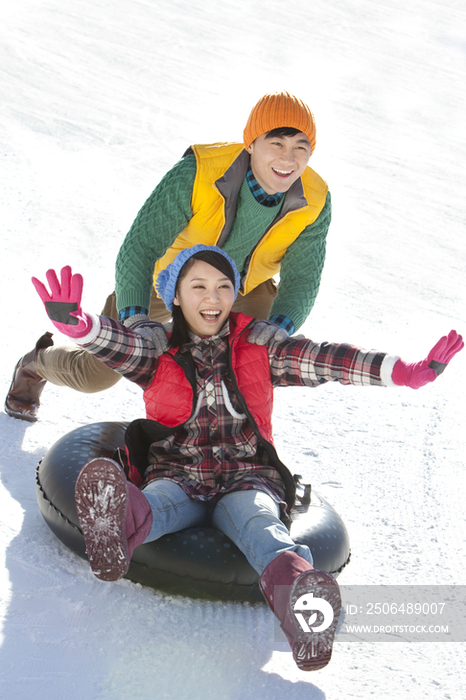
(199, 562)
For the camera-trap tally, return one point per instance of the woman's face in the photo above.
(205, 296)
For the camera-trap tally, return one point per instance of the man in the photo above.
(258, 200)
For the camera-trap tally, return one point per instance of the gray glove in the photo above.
(152, 331)
(264, 332)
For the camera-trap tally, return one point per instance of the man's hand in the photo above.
(264, 332)
(152, 331)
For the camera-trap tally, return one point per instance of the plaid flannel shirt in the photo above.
(216, 451)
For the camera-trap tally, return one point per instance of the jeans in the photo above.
(251, 519)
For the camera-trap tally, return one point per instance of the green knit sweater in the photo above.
(166, 213)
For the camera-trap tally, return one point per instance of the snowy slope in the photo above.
(97, 100)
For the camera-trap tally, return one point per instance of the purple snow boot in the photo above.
(114, 515)
(307, 604)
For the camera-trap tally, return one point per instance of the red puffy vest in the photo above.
(170, 398)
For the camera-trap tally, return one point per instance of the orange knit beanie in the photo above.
(276, 110)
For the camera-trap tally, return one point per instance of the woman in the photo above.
(205, 449)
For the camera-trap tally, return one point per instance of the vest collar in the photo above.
(230, 184)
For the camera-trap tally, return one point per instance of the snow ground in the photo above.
(98, 100)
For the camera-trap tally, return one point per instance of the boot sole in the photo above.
(312, 649)
(101, 503)
(30, 417)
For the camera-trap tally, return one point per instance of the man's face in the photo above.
(279, 161)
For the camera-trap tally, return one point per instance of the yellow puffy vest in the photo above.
(208, 220)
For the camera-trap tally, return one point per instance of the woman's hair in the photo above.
(180, 333)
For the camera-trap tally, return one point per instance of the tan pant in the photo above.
(66, 365)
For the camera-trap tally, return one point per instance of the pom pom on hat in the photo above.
(279, 109)
(167, 278)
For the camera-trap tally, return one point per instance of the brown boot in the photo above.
(22, 400)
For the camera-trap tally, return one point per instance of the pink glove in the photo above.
(63, 304)
(418, 374)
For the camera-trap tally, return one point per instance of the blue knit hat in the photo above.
(167, 278)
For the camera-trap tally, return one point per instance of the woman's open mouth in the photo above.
(210, 316)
